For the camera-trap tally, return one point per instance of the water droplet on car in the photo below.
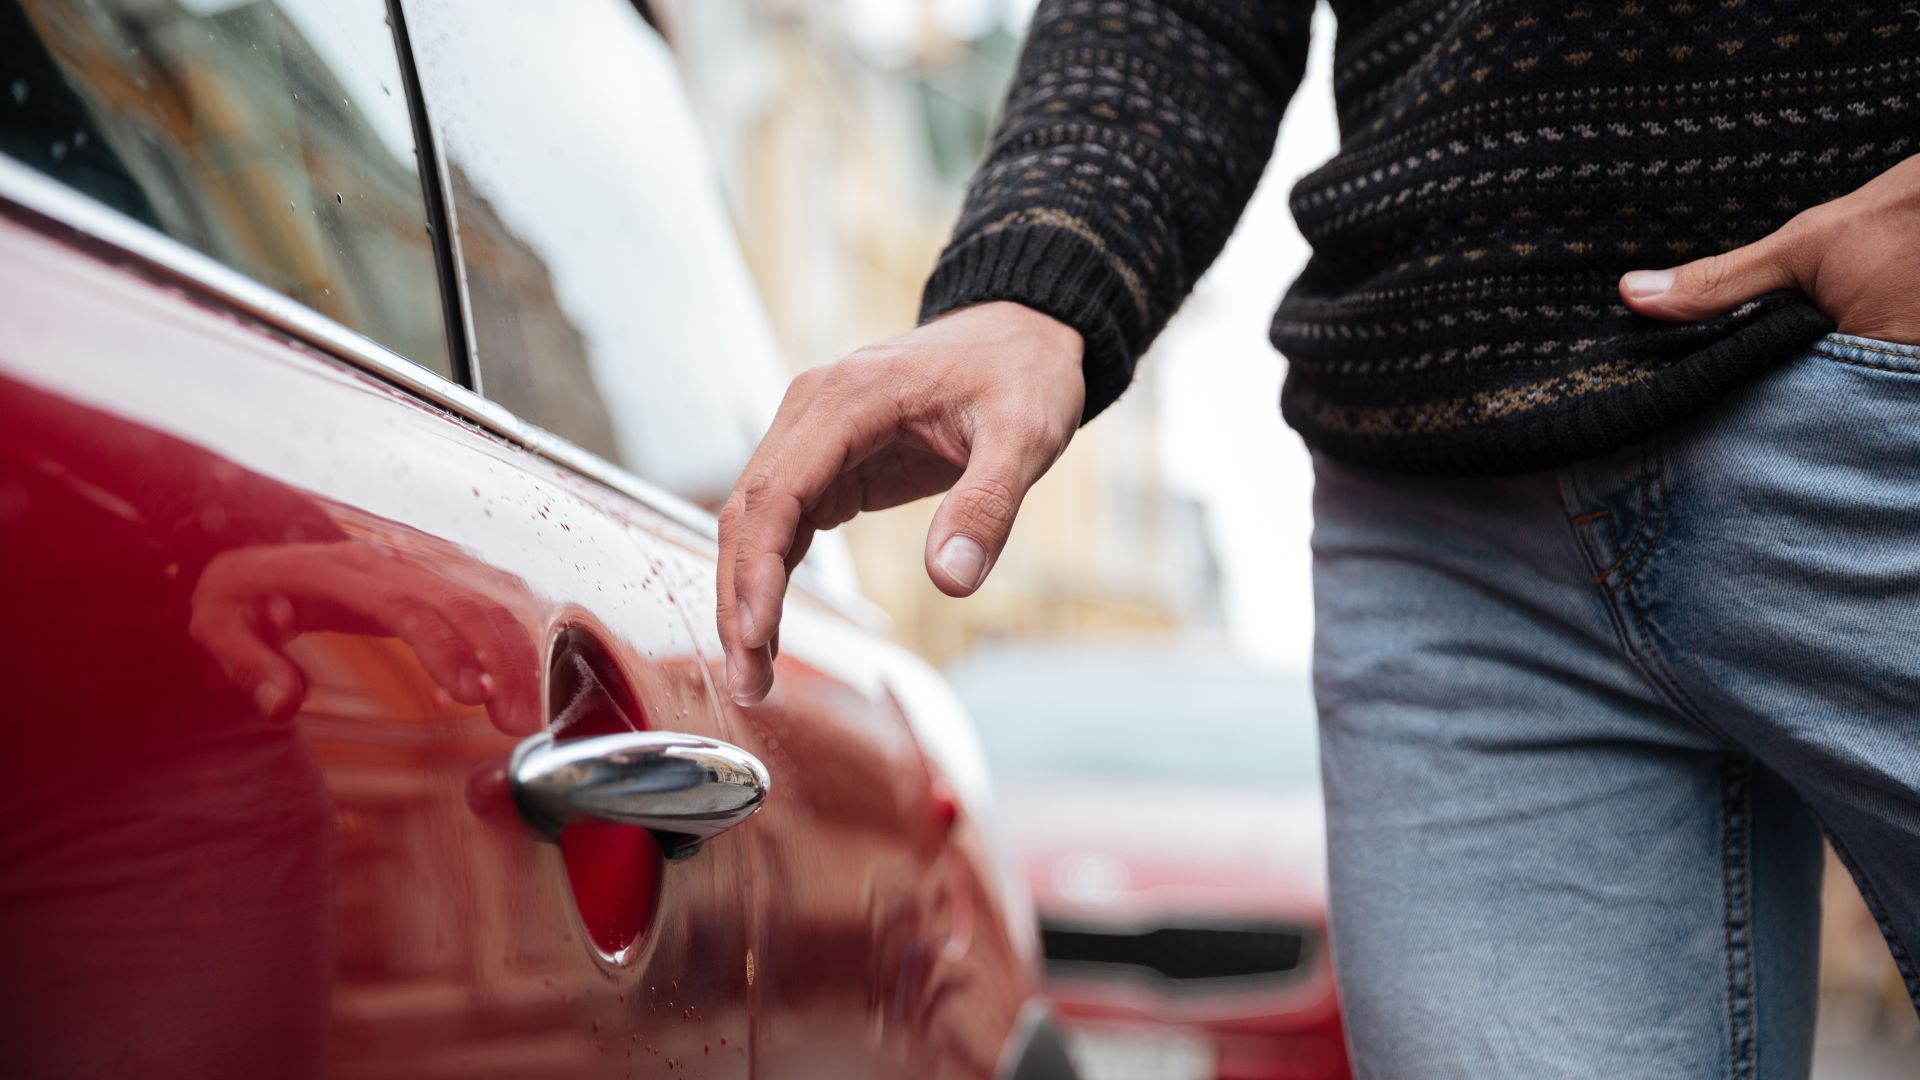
(79, 139)
(337, 197)
(59, 149)
(19, 91)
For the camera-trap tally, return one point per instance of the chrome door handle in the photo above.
(683, 788)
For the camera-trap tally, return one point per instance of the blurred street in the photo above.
(1184, 513)
(430, 667)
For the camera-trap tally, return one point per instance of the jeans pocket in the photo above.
(1870, 352)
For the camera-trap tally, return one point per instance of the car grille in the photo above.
(1180, 953)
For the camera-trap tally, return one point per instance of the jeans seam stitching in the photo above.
(1736, 897)
(1854, 341)
(1625, 551)
(1902, 957)
(1656, 482)
(1854, 361)
(1620, 552)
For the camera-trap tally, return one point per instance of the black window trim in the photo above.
(433, 190)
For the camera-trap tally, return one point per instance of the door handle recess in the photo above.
(682, 788)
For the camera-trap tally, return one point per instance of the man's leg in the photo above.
(1539, 868)
(1784, 596)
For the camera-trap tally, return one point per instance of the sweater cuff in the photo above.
(1059, 274)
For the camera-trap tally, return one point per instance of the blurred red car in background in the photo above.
(1165, 806)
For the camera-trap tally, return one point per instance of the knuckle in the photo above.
(803, 386)
(1029, 425)
(757, 486)
(838, 376)
(1817, 220)
(857, 374)
(989, 502)
(1713, 275)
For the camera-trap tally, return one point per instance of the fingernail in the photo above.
(267, 696)
(746, 621)
(473, 686)
(734, 690)
(741, 696)
(1646, 284)
(744, 696)
(962, 559)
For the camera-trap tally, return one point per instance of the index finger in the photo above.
(744, 669)
(838, 430)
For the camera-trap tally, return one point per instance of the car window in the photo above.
(608, 298)
(272, 135)
(1138, 716)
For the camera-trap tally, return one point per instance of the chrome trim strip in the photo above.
(40, 195)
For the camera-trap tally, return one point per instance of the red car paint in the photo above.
(273, 626)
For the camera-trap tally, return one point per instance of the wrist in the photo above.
(1052, 334)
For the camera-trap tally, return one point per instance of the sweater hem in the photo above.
(1597, 415)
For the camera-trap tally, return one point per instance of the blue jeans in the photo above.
(1582, 731)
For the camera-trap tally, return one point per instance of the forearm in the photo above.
(1132, 139)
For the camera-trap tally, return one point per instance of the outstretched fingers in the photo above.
(765, 520)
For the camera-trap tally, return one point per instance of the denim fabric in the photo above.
(1582, 731)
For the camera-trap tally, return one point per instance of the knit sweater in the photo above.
(1502, 163)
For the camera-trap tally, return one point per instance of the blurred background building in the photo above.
(846, 134)
(845, 131)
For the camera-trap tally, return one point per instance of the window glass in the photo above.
(272, 135)
(1139, 717)
(608, 297)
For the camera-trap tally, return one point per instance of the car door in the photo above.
(608, 301)
(285, 598)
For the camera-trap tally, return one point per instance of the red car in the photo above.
(1166, 806)
(360, 368)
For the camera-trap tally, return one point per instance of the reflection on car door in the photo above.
(281, 629)
(609, 301)
(278, 625)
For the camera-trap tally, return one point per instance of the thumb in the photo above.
(974, 520)
(1714, 285)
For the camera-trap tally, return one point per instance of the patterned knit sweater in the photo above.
(1502, 162)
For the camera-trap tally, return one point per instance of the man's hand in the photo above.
(251, 601)
(981, 401)
(1858, 257)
